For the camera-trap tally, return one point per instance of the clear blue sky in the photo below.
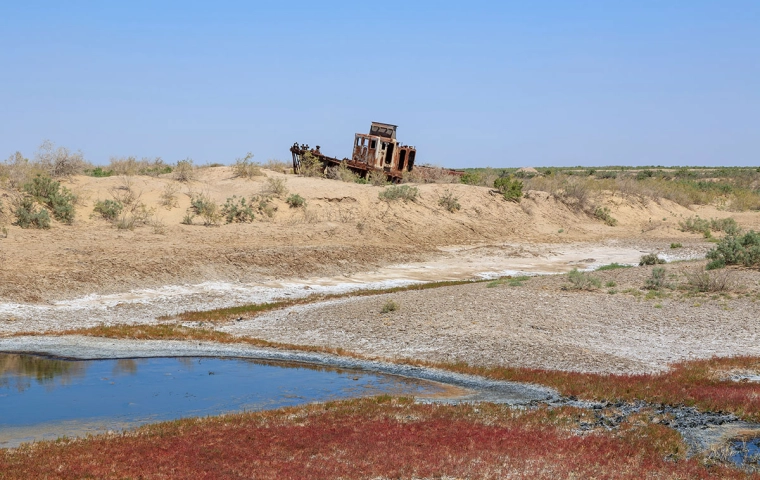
(470, 83)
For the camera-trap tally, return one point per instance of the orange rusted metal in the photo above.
(376, 151)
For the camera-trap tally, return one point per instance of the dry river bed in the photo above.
(538, 323)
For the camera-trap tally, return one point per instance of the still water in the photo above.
(44, 398)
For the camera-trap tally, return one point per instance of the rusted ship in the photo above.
(377, 150)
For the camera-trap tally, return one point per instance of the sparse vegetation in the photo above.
(28, 215)
(343, 173)
(657, 280)
(151, 167)
(311, 166)
(707, 282)
(237, 210)
(377, 178)
(184, 171)
(704, 226)
(389, 306)
(168, 197)
(650, 259)
(676, 245)
(449, 202)
(108, 209)
(98, 172)
(509, 187)
(275, 186)
(295, 201)
(399, 192)
(60, 162)
(603, 214)
(736, 250)
(246, 168)
(582, 281)
(612, 266)
(202, 205)
(51, 194)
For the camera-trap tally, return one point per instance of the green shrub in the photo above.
(706, 227)
(204, 207)
(108, 209)
(509, 187)
(650, 259)
(50, 193)
(471, 178)
(725, 225)
(449, 202)
(399, 192)
(295, 201)
(237, 210)
(612, 266)
(736, 250)
(696, 225)
(657, 280)
(582, 281)
(98, 172)
(28, 216)
(389, 306)
(603, 213)
(676, 245)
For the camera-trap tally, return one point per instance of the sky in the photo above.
(469, 83)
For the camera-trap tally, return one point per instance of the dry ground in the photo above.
(537, 325)
(344, 229)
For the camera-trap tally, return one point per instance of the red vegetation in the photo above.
(695, 383)
(369, 438)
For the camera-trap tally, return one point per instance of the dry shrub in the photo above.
(18, 170)
(449, 201)
(275, 186)
(246, 168)
(311, 166)
(168, 197)
(342, 173)
(60, 162)
(158, 225)
(377, 178)
(744, 200)
(714, 281)
(429, 174)
(152, 167)
(278, 166)
(184, 171)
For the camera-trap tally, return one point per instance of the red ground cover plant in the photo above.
(370, 438)
(697, 383)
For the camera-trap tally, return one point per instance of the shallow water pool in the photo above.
(44, 398)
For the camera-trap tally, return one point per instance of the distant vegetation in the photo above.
(737, 188)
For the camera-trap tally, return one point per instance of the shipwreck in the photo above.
(377, 151)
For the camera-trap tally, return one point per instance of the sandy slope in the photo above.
(344, 229)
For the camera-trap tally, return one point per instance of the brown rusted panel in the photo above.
(377, 151)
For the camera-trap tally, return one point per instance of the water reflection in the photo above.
(44, 397)
(17, 371)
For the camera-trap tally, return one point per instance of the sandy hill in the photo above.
(343, 228)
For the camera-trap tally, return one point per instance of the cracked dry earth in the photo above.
(535, 325)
